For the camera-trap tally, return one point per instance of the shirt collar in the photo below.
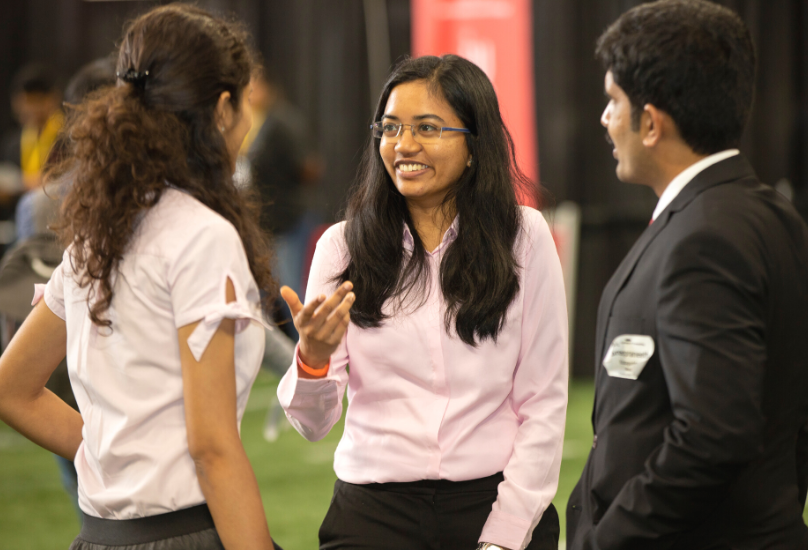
(686, 176)
(409, 243)
(448, 237)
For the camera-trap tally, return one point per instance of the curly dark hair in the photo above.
(478, 272)
(692, 59)
(127, 143)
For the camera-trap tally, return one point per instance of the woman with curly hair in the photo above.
(157, 300)
(454, 352)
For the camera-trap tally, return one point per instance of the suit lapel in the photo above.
(731, 169)
(620, 276)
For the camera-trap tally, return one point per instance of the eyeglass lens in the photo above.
(423, 132)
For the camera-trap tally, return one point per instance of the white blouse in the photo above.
(134, 460)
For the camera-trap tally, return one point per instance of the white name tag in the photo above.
(628, 355)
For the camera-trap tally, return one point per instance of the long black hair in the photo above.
(478, 272)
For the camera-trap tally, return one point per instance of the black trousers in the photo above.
(421, 515)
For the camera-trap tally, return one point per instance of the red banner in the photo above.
(497, 35)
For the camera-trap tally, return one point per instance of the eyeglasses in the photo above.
(422, 133)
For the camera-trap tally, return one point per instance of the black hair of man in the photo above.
(692, 59)
(92, 76)
(33, 78)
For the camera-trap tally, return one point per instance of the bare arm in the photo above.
(225, 473)
(25, 367)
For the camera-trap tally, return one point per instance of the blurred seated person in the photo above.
(282, 164)
(38, 207)
(36, 104)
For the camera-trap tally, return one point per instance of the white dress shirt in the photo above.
(685, 176)
(423, 404)
(134, 460)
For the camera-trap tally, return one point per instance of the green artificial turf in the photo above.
(296, 478)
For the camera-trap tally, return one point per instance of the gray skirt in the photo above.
(188, 529)
(202, 540)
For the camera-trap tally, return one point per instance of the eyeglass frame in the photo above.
(412, 130)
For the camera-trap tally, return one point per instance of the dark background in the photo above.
(318, 49)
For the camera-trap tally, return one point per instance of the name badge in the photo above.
(628, 355)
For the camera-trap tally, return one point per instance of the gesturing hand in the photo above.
(321, 323)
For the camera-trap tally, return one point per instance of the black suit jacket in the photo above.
(708, 448)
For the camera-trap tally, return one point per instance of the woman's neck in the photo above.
(432, 223)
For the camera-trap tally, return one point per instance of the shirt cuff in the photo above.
(305, 388)
(310, 405)
(506, 530)
(298, 362)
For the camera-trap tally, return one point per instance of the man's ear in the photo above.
(224, 112)
(653, 125)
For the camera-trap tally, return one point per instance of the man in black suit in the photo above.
(701, 399)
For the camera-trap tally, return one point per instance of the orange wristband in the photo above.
(322, 371)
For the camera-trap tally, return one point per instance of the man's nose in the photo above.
(604, 117)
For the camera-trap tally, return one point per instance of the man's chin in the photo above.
(622, 174)
(626, 176)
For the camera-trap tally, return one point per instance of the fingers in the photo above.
(337, 321)
(343, 324)
(290, 297)
(315, 314)
(322, 324)
(321, 315)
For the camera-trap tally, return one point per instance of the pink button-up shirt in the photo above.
(423, 404)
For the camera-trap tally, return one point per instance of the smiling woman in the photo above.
(423, 168)
(457, 339)
(471, 176)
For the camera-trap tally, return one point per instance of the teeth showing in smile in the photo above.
(411, 167)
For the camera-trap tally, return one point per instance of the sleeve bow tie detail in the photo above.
(204, 331)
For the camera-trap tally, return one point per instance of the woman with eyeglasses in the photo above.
(448, 328)
(156, 301)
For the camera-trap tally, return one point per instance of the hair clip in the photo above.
(134, 77)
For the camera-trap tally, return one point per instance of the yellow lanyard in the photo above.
(35, 146)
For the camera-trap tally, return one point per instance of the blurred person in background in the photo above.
(454, 354)
(37, 252)
(39, 207)
(284, 169)
(701, 381)
(157, 300)
(36, 104)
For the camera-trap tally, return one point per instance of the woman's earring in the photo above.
(221, 129)
(469, 163)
